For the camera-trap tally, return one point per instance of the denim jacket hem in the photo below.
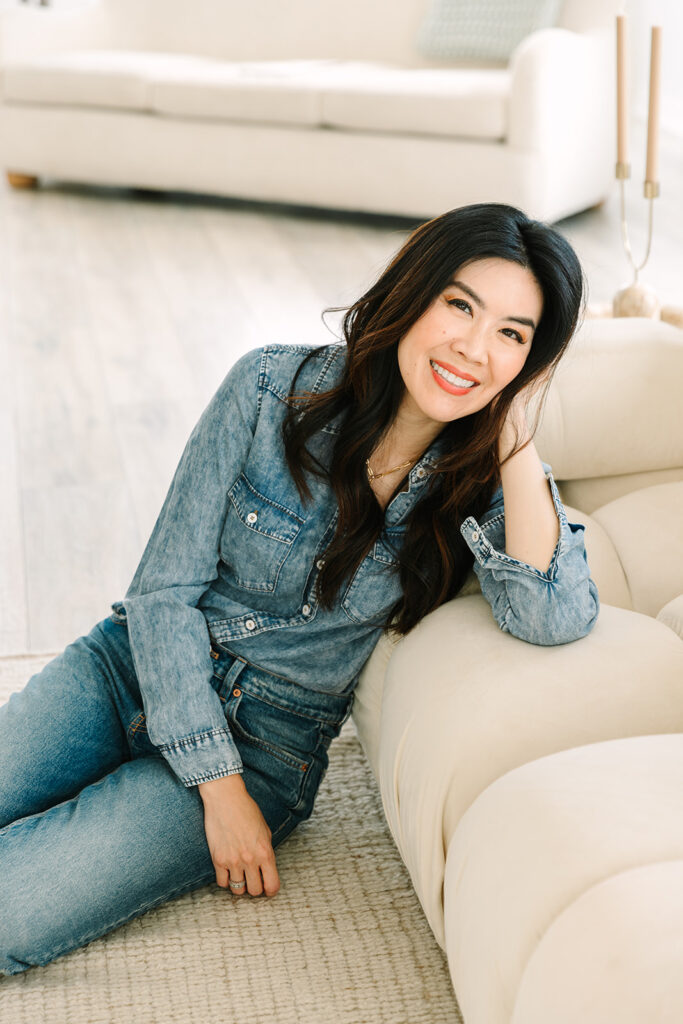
(555, 606)
(202, 756)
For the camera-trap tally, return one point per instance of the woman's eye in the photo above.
(460, 303)
(464, 305)
(514, 334)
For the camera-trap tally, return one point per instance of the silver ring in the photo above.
(237, 885)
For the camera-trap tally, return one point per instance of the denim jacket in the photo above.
(235, 554)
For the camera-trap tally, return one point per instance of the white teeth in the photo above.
(458, 382)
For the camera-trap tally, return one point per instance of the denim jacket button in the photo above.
(306, 609)
(250, 624)
(475, 536)
(252, 517)
(320, 563)
(419, 472)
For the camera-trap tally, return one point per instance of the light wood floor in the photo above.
(120, 313)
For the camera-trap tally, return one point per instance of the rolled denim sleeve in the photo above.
(168, 634)
(546, 608)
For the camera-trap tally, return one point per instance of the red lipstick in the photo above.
(456, 371)
(446, 385)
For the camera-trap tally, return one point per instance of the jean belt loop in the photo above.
(235, 671)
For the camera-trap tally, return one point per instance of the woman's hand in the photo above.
(515, 430)
(238, 837)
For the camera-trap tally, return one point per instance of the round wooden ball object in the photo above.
(637, 300)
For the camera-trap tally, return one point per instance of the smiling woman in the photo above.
(482, 294)
(467, 346)
(326, 494)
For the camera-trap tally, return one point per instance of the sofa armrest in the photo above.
(29, 32)
(561, 98)
(561, 92)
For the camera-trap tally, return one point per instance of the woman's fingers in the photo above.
(259, 879)
(254, 881)
(271, 878)
(237, 883)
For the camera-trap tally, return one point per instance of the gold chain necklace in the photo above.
(387, 472)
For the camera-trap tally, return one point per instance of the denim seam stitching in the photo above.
(178, 746)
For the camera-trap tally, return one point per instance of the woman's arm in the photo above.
(533, 569)
(168, 633)
(532, 527)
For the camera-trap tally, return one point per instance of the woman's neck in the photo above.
(407, 438)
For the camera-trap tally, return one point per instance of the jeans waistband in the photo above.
(334, 708)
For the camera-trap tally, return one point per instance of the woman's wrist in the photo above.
(217, 789)
(514, 433)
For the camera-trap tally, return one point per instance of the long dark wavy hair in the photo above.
(434, 559)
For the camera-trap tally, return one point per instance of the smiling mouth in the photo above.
(452, 378)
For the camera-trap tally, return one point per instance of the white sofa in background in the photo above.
(318, 103)
(535, 792)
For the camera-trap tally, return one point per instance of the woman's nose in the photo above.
(471, 345)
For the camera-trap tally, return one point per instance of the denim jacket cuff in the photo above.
(202, 756)
(488, 556)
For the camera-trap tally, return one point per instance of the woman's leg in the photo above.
(126, 843)
(98, 829)
(69, 726)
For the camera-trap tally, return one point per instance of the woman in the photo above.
(324, 495)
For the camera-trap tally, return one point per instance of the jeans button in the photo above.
(250, 624)
(236, 692)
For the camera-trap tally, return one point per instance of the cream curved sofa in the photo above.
(320, 103)
(534, 793)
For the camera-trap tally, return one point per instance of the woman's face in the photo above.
(470, 343)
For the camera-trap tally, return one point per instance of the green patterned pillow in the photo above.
(486, 30)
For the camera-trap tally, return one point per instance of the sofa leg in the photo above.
(21, 180)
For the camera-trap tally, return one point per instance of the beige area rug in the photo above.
(344, 941)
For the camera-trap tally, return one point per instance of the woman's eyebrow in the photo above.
(479, 302)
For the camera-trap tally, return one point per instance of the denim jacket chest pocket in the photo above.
(376, 584)
(257, 537)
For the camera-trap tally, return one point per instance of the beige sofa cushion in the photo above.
(286, 92)
(672, 615)
(117, 79)
(433, 101)
(452, 723)
(614, 407)
(646, 528)
(339, 94)
(557, 901)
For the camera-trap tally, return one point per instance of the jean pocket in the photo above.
(284, 747)
(257, 538)
(138, 738)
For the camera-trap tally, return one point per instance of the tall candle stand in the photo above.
(636, 299)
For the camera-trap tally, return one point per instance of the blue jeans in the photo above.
(95, 829)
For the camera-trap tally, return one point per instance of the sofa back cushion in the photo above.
(613, 409)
